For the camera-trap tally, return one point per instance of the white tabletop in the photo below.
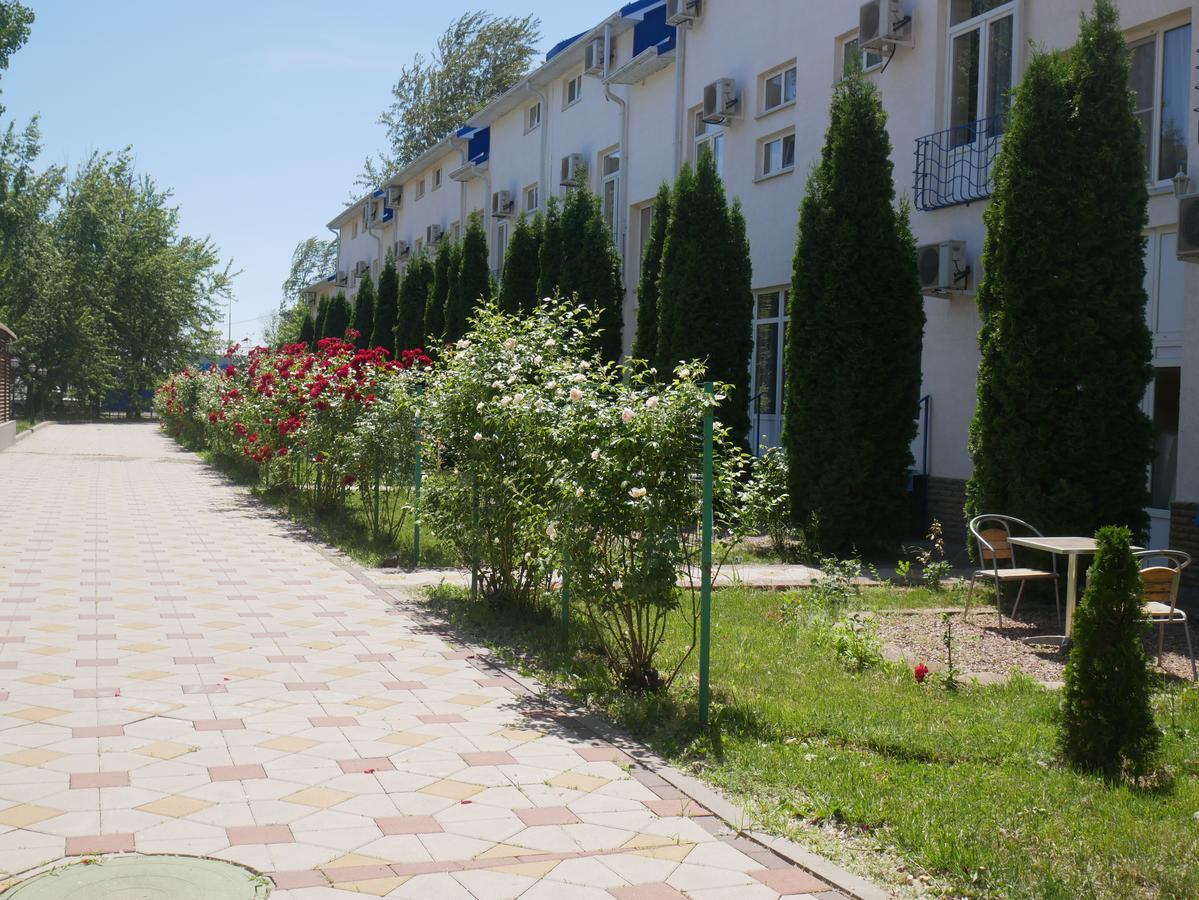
(1067, 546)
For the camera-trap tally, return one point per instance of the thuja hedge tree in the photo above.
(473, 286)
(591, 267)
(322, 313)
(518, 288)
(853, 344)
(386, 307)
(445, 274)
(308, 332)
(363, 318)
(337, 319)
(705, 303)
(1107, 717)
(549, 257)
(414, 296)
(1058, 436)
(645, 341)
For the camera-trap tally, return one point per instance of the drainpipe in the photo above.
(621, 231)
(370, 229)
(542, 179)
(679, 110)
(461, 146)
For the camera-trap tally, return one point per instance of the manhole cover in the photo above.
(143, 878)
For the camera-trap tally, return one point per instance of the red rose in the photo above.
(921, 672)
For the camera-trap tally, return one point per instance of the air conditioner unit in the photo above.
(361, 267)
(683, 12)
(402, 249)
(593, 57)
(573, 169)
(395, 195)
(432, 234)
(343, 277)
(942, 267)
(882, 25)
(501, 203)
(721, 102)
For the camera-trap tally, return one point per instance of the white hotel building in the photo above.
(625, 103)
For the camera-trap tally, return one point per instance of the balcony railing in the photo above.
(954, 166)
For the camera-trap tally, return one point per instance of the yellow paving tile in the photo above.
(247, 672)
(576, 781)
(408, 739)
(355, 859)
(344, 671)
(321, 798)
(37, 713)
(149, 675)
(454, 790)
(519, 734)
(500, 851)
(532, 870)
(144, 648)
(42, 679)
(175, 806)
(673, 852)
(288, 744)
(372, 702)
(233, 647)
(31, 757)
(26, 814)
(164, 750)
(376, 887)
(470, 700)
(48, 651)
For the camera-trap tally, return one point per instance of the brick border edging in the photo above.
(728, 812)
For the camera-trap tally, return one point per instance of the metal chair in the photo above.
(991, 532)
(1160, 596)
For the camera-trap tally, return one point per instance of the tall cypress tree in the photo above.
(322, 314)
(591, 267)
(414, 294)
(854, 340)
(308, 332)
(363, 318)
(474, 282)
(338, 318)
(705, 299)
(445, 273)
(645, 341)
(518, 290)
(549, 257)
(386, 307)
(1058, 436)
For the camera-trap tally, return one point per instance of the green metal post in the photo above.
(705, 609)
(564, 624)
(416, 495)
(376, 511)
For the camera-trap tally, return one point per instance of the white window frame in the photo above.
(575, 81)
(455, 230)
(781, 319)
(779, 72)
(355, 225)
(532, 111)
(532, 191)
(982, 23)
(611, 214)
(762, 174)
(436, 179)
(871, 61)
(716, 135)
(499, 246)
(420, 189)
(1157, 37)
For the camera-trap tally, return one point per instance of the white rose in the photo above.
(510, 343)
(539, 405)
(595, 454)
(684, 373)
(497, 383)
(651, 402)
(537, 360)
(583, 364)
(550, 342)
(551, 532)
(546, 300)
(518, 398)
(626, 416)
(578, 377)
(576, 395)
(578, 492)
(478, 436)
(462, 344)
(479, 406)
(550, 385)
(504, 401)
(637, 493)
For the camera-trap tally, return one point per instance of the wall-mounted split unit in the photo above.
(721, 101)
(501, 204)
(683, 12)
(361, 268)
(593, 57)
(942, 268)
(343, 278)
(395, 195)
(573, 169)
(432, 234)
(401, 249)
(882, 25)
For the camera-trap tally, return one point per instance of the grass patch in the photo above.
(963, 788)
(24, 425)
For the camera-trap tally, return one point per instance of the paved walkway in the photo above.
(180, 671)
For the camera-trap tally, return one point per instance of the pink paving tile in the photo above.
(94, 663)
(603, 754)
(343, 874)
(790, 881)
(443, 719)
(192, 660)
(81, 780)
(404, 685)
(93, 693)
(658, 891)
(488, 758)
(546, 815)
(12, 639)
(298, 878)
(409, 825)
(235, 773)
(99, 843)
(286, 659)
(458, 654)
(205, 689)
(98, 731)
(423, 868)
(260, 834)
(3, 695)
(367, 764)
(374, 657)
(673, 808)
(498, 681)
(8, 664)
(332, 721)
(306, 686)
(219, 725)
(20, 618)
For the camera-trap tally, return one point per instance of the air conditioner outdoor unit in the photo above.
(721, 102)
(501, 203)
(432, 234)
(882, 25)
(343, 277)
(395, 195)
(402, 249)
(360, 268)
(1188, 228)
(942, 267)
(683, 12)
(593, 57)
(572, 169)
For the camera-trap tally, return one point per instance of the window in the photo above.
(419, 243)
(777, 155)
(709, 137)
(355, 234)
(420, 189)
(981, 43)
(770, 321)
(455, 230)
(645, 217)
(531, 198)
(1159, 79)
(437, 179)
(499, 248)
(778, 89)
(851, 53)
(1163, 475)
(572, 91)
(610, 188)
(533, 116)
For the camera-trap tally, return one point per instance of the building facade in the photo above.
(623, 106)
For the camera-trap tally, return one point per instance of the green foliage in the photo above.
(854, 639)
(854, 340)
(312, 259)
(549, 258)
(337, 320)
(591, 268)
(386, 324)
(764, 501)
(286, 327)
(1107, 719)
(363, 318)
(518, 289)
(477, 58)
(645, 341)
(15, 22)
(322, 315)
(473, 286)
(705, 304)
(308, 331)
(410, 327)
(1058, 436)
(442, 286)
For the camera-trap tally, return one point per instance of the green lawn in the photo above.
(960, 787)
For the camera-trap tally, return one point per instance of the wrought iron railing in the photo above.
(955, 165)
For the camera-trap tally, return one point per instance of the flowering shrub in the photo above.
(765, 502)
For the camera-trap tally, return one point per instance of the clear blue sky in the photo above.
(257, 114)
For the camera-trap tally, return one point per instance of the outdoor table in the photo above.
(1071, 548)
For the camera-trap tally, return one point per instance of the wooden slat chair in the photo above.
(991, 533)
(1159, 593)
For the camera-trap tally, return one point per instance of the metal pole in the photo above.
(416, 491)
(376, 511)
(705, 609)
